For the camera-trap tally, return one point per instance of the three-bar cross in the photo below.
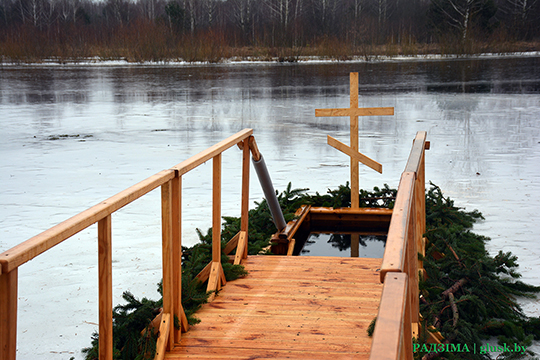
(354, 112)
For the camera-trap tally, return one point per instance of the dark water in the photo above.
(71, 136)
(330, 244)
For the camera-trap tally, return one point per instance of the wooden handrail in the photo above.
(392, 337)
(20, 254)
(211, 152)
(398, 233)
(170, 182)
(405, 234)
(417, 152)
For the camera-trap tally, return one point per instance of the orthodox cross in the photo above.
(354, 112)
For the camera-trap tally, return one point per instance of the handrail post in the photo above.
(8, 314)
(167, 255)
(244, 222)
(176, 213)
(216, 209)
(105, 288)
(412, 268)
(216, 278)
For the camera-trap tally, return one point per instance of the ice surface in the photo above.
(73, 136)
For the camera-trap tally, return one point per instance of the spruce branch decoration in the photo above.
(468, 295)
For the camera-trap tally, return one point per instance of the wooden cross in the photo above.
(354, 112)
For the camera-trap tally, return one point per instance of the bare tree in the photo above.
(459, 13)
(242, 13)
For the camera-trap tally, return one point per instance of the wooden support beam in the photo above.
(240, 250)
(176, 215)
(8, 315)
(232, 244)
(355, 177)
(167, 254)
(204, 274)
(392, 338)
(105, 289)
(378, 111)
(254, 149)
(216, 209)
(244, 214)
(290, 249)
(164, 330)
(355, 154)
(214, 280)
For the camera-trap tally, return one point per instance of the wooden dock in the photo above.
(289, 308)
(285, 308)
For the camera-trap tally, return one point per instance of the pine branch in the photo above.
(454, 309)
(454, 288)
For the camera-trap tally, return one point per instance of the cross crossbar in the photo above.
(378, 111)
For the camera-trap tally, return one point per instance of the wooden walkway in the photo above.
(289, 308)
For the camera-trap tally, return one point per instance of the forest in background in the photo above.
(284, 30)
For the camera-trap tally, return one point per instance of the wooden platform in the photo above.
(289, 308)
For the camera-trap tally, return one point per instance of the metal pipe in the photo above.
(269, 193)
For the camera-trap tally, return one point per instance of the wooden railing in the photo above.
(400, 268)
(170, 182)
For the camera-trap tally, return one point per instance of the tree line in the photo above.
(213, 29)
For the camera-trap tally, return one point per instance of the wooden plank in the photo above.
(388, 338)
(216, 209)
(38, 244)
(205, 273)
(240, 250)
(163, 338)
(288, 335)
(211, 152)
(8, 315)
(231, 244)
(290, 249)
(176, 234)
(340, 328)
(417, 152)
(214, 280)
(355, 154)
(244, 213)
(412, 271)
(267, 342)
(394, 254)
(355, 177)
(254, 149)
(374, 111)
(274, 354)
(167, 254)
(105, 289)
(420, 211)
(362, 308)
(293, 225)
(348, 211)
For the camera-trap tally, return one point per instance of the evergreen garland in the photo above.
(468, 295)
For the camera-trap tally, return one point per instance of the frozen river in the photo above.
(72, 136)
